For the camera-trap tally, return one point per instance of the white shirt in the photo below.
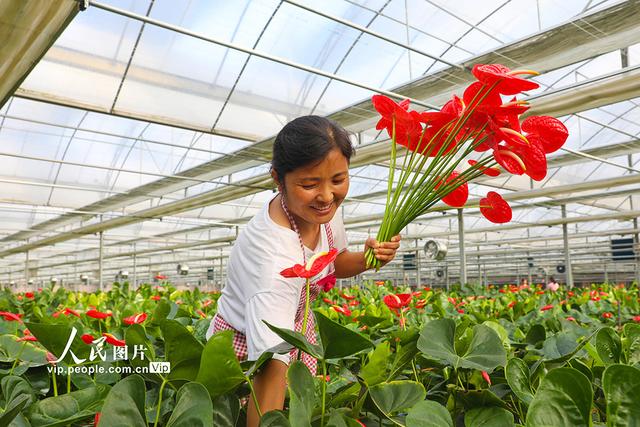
(255, 290)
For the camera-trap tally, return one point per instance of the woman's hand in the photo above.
(385, 251)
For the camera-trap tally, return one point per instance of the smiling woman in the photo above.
(311, 169)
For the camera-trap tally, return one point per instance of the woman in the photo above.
(310, 166)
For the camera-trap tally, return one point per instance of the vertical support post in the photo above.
(100, 249)
(418, 278)
(26, 269)
(567, 255)
(479, 270)
(636, 237)
(463, 261)
(606, 273)
(135, 268)
(221, 271)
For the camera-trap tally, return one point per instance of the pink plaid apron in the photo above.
(240, 339)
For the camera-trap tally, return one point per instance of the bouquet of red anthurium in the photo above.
(481, 124)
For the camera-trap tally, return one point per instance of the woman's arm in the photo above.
(349, 264)
(270, 386)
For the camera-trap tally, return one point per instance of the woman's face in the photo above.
(314, 192)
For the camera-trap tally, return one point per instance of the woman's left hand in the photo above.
(385, 251)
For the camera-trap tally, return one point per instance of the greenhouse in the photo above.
(157, 268)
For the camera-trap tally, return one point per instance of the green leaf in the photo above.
(297, 340)
(55, 337)
(124, 406)
(536, 334)
(396, 395)
(182, 350)
(12, 410)
(301, 394)
(220, 370)
(429, 414)
(13, 387)
(135, 335)
(485, 351)
(562, 347)
(339, 418)
(563, 399)
(193, 407)
(337, 340)
(68, 408)
(488, 417)
(375, 370)
(632, 343)
(10, 348)
(621, 386)
(517, 374)
(226, 409)
(164, 310)
(608, 346)
(274, 419)
(404, 355)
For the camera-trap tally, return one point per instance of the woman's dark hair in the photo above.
(307, 140)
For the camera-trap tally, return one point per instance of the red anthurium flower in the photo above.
(511, 304)
(396, 301)
(327, 283)
(549, 132)
(342, 310)
(507, 81)
(347, 296)
(407, 125)
(315, 265)
(160, 277)
(595, 298)
(155, 297)
(421, 303)
(354, 303)
(461, 311)
(27, 338)
(509, 160)
(11, 317)
(97, 314)
(607, 315)
(380, 282)
(328, 301)
(51, 358)
(207, 303)
(486, 377)
(201, 313)
(29, 295)
(96, 419)
(571, 319)
(113, 340)
(88, 339)
(636, 319)
(67, 312)
(457, 197)
(546, 307)
(493, 172)
(534, 159)
(495, 208)
(135, 319)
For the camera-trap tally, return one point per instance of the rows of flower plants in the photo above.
(483, 356)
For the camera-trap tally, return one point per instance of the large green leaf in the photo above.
(608, 346)
(165, 309)
(536, 334)
(68, 408)
(428, 414)
(135, 335)
(124, 406)
(395, 396)
(12, 349)
(297, 340)
(375, 370)
(563, 346)
(301, 394)
(488, 417)
(226, 409)
(563, 399)
(632, 343)
(193, 407)
(338, 341)
(485, 351)
(274, 419)
(182, 350)
(404, 355)
(55, 337)
(517, 373)
(621, 386)
(18, 394)
(220, 370)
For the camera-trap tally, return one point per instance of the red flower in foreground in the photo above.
(328, 301)
(29, 295)
(421, 303)
(315, 265)
(97, 314)
(486, 377)
(155, 297)
(136, 319)
(342, 310)
(207, 303)
(88, 339)
(396, 301)
(96, 419)
(27, 336)
(113, 340)
(507, 81)
(511, 304)
(495, 208)
(493, 172)
(347, 296)
(11, 317)
(607, 315)
(457, 197)
(636, 319)
(327, 283)
(547, 307)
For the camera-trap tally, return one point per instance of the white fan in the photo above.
(435, 249)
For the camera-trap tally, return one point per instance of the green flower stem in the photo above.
(68, 381)
(324, 389)
(306, 310)
(164, 382)
(253, 395)
(55, 383)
